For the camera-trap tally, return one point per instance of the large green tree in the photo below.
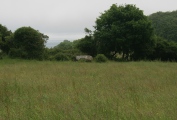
(124, 29)
(28, 43)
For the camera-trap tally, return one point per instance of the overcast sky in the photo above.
(66, 19)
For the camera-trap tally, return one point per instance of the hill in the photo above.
(165, 24)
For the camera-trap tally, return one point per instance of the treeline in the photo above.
(25, 42)
(122, 33)
(165, 24)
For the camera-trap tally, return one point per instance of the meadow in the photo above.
(45, 90)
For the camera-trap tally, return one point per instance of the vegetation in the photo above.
(121, 33)
(61, 57)
(165, 27)
(42, 90)
(124, 33)
(87, 45)
(49, 90)
(5, 38)
(25, 42)
(126, 30)
(165, 50)
(64, 51)
(165, 24)
(1, 54)
(28, 44)
(101, 58)
(65, 45)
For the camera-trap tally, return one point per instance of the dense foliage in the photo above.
(124, 29)
(64, 51)
(28, 43)
(101, 58)
(65, 45)
(165, 50)
(5, 39)
(121, 33)
(87, 45)
(165, 24)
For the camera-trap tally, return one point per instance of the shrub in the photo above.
(61, 57)
(101, 58)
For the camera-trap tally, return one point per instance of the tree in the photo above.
(28, 43)
(66, 50)
(5, 39)
(87, 45)
(123, 29)
(87, 31)
(165, 24)
(65, 45)
(165, 50)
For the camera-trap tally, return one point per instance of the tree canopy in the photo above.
(121, 33)
(65, 45)
(28, 43)
(165, 24)
(5, 37)
(87, 45)
(123, 29)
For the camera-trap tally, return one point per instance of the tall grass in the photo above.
(35, 90)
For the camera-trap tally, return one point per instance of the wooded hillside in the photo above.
(165, 24)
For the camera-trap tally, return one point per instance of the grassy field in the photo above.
(44, 90)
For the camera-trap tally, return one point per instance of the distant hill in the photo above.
(165, 24)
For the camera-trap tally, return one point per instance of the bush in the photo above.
(61, 57)
(101, 58)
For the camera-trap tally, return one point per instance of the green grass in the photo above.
(43, 90)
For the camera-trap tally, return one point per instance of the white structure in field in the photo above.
(86, 57)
